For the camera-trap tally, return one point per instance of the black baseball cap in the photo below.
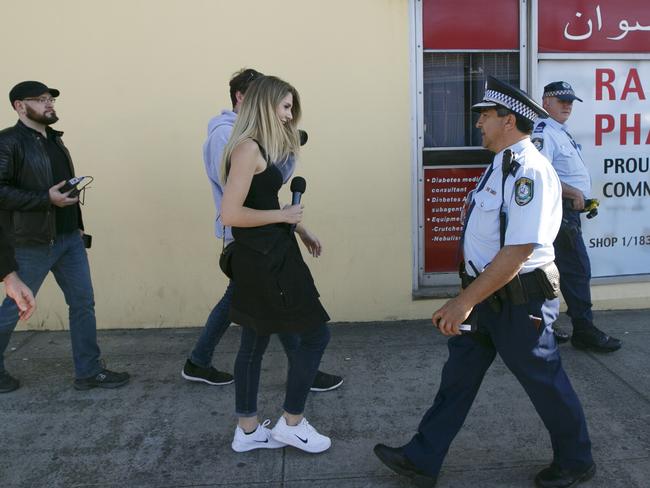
(561, 90)
(26, 89)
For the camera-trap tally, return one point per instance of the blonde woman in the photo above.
(274, 291)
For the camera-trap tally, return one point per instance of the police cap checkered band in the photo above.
(500, 93)
(511, 103)
(559, 92)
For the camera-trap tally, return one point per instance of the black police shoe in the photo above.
(561, 336)
(556, 477)
(594, 339)
(326, 382)
(8, 383)
(211, 376)
(104, 379)
(394, 458)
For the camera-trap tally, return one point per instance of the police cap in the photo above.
(561, 90)
(499, 93)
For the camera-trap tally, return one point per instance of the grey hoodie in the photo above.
(219, 130)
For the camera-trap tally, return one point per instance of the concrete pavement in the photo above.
(161, 431)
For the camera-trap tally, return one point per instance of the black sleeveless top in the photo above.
(274, 289)
(262, 195)
(263, 192)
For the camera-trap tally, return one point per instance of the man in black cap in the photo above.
(46, 227)
(509, 286)
(553, 140)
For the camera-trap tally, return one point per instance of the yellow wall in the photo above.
(139, 80)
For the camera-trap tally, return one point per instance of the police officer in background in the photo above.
(552, 139)
(509, 286)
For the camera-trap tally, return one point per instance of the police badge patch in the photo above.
(539, 143)
(523, 191)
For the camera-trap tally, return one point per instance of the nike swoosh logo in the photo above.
(304, 441)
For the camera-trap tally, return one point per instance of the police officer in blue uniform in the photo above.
(554, 141)
(509, 287)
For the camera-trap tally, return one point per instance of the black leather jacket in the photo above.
(7, 259)
(26, 213)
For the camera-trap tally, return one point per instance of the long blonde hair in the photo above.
(258, 119)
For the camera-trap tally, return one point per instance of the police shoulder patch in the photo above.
(538, 142)
(524, 191)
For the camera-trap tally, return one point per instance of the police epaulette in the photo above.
(514, 167)
(540, 127)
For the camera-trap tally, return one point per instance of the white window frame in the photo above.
(439, 285)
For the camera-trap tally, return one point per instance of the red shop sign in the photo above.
(467, 24)
(445, 190)
(596, 26)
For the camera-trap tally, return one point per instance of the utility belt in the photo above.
(541, 283)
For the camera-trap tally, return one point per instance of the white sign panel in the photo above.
(613, 127)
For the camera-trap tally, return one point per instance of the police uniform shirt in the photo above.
(533, 206)
(553, 141)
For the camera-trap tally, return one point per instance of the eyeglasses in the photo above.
(42, 100)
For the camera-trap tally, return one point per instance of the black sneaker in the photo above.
(8, 383)
(561, 336)
(326, 382)
(594, 339)
(211, 376)
(103, 379)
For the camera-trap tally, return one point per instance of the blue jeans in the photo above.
(303, 365)
(215, 327)
(68, 261)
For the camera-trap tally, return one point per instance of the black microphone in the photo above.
(298, 186)
(303, 137)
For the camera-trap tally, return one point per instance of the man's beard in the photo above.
(45, 118)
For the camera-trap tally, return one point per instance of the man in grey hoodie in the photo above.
(198, 366)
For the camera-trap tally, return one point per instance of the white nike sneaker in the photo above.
(302, 436)
(258, 439)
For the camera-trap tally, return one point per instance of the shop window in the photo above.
(452, 83)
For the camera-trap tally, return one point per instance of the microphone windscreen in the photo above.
(303, 137)
(298, 184)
